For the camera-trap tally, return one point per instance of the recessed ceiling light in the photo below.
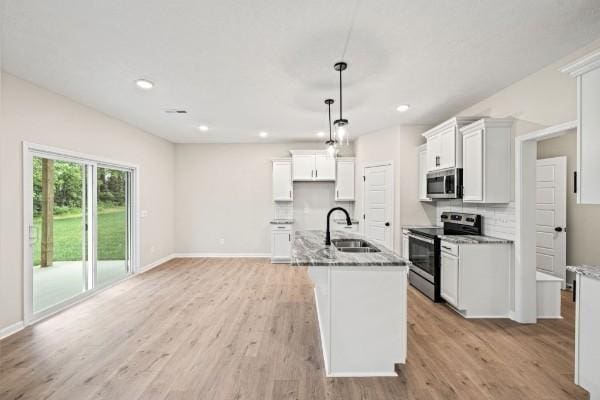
(403, 107)
(144, 84)
(320, 134)
(263, 134)
(203, 128)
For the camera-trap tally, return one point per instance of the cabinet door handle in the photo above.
(316, 173)
(312, 173)
(446, 248)
(289, 237)
(337, 194)
(290, 194)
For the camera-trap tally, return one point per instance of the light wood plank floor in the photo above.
(246, 329)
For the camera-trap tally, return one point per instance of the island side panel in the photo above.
(320, 277)
(586, 331)
(368, 321)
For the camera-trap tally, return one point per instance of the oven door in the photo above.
(422, 255)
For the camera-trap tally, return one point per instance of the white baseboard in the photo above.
(361, 374)
(157, 263)
(222, 255)
(11, 329)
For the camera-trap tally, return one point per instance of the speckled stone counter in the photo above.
(592, 271)
(473, 239)
(308, 249)
(282, 222)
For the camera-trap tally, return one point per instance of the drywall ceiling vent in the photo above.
(176, 111)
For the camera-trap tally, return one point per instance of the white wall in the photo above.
(583, 220)
(30, 113)
(399, 145)
(224, 191)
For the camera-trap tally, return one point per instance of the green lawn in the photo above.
(112, 228)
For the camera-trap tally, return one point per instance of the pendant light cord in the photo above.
(340, 93)
(352, 21)
(329, 107)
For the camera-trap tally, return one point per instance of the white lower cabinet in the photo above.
(405, 245)
(449, 277)
(281, 243)
(342, 226)
(475, 278)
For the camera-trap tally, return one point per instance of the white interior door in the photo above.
(379, 204)
(551, 216)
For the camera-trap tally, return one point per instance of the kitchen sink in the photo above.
(354, 246)
(358, 249)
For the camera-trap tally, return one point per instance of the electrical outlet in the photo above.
(144, 213)
(222, 241)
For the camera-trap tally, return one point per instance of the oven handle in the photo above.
(421, 238)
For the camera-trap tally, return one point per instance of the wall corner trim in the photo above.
(156, 263)
(11, 329)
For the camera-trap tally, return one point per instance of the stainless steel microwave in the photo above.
(445, 184)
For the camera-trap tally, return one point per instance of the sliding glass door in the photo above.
(59, 237)
(113, 222)
(79, 228)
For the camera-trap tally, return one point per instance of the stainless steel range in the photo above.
(424, 250)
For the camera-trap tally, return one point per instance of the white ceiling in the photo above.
(241, 67)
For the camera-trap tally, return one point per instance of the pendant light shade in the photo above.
(341, 124)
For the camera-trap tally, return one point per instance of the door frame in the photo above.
(31, 149)
(525, 293)
(380, 164)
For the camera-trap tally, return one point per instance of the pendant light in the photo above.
(341, 124)
(331, 144)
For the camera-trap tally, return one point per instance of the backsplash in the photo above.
(498, 220)
(312, 201)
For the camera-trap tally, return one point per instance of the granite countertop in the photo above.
(282, 221)
(592, 271)
(473, 239)
(419, 226)
(308, 249)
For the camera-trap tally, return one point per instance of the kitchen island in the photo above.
(587, 328)
(361, 304)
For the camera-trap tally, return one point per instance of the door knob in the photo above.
(558, 229)
(387, 224)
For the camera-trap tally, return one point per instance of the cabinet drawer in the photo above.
(282, 228)
(450, 248)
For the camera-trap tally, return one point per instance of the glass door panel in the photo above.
(58, 231)
(113, 225)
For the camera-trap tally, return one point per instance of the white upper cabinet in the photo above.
(304, 167)
(587, 71)
(324, 167)
(344, 183)
(433, 153)
(447, 153)
(486, 148)
(312, 165)
(283, 189)
(423, 168)
(444, 144)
